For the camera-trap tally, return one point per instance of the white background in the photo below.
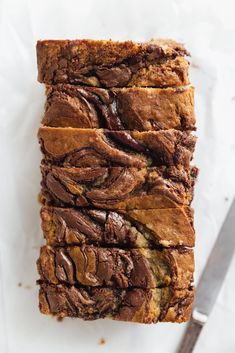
(208, 30)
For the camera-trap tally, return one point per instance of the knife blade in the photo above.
(211, 281)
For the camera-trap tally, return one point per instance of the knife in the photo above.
(211, 281)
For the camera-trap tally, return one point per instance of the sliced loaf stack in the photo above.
(117, 183)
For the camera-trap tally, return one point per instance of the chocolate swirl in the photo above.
(135, 305)
(149, 228)
(118, 188)
(95, 148)
(134, 108)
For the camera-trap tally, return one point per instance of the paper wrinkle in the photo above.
(207, 28)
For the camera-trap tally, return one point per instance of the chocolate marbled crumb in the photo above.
(158, 63)
(119, 268)
(129, 229)
(134, 305)
(120, 109)
(97, 147)
(118, 188)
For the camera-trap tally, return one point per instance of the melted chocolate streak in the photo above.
(107, 113)
(88, 201)
(126, 140)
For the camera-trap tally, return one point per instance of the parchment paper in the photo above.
(207, 28)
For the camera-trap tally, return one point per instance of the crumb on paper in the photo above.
(25, 286)
(102, 341)
(226, 198)
(59, 319)
(196, 66)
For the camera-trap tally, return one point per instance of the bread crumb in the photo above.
(59, 319)
(25, 286)
(226, 198)
(102, 341)
(196, 66)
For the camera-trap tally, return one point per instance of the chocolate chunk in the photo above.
(117, 230)
(127, 140)
(80, 222)
(63, 267)
(115, 76)
(99, 215)
(57, 189)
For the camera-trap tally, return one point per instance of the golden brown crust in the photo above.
(112, 64)
(121, 108)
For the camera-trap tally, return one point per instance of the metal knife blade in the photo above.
(211, 281)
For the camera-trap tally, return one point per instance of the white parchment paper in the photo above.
(208, 30)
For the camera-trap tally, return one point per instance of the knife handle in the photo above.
(192, 333)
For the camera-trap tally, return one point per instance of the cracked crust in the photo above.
(120, 109)
(103, 63)
(118, 188)
(98, 147)
(133, 305)
(129, 229)
(118, 268)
